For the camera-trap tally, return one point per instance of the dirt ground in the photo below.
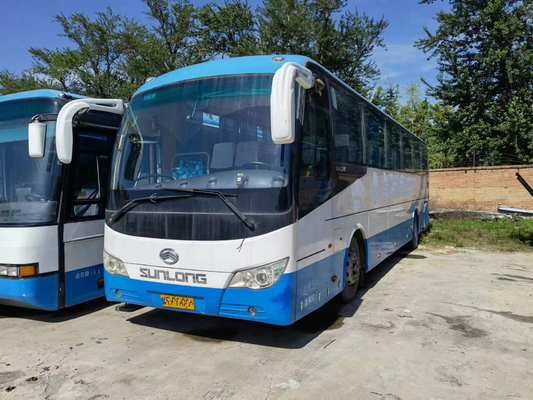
(434, 324)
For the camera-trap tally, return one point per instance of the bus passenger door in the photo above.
(83, 216)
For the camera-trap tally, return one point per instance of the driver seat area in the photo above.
(246, 152)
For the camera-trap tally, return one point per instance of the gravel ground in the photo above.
(433, 324)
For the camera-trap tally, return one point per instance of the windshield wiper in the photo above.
(224, 197)
(128, 206)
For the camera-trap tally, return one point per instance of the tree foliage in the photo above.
(341, 40)
(111, 55)
(94, 65)
(387, 98)
(484, 51)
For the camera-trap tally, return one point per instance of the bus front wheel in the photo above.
(354, 268)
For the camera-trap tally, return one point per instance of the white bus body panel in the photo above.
(218, 259)
(23, 245)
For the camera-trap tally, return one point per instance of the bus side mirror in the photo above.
(36, 139)
(283, 100)
(64, 135)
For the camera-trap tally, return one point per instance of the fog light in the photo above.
(118, 293)
(252, 311)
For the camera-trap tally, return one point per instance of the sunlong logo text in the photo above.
(173, 276)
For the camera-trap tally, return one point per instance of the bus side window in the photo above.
(346, 114)
(394, 147)
(90, 177)
(375, 136)
(424, 151)
(315, 186)
(415, 150)
(406, 151)
(315, 144)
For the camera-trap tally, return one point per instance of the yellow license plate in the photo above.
(183, 302)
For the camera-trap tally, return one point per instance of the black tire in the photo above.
(354, 272)
(413, 244)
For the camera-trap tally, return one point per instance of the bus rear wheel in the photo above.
(354, 271)
(413, 244)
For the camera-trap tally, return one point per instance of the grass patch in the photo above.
(498, 235)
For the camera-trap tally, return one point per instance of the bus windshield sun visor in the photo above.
(222, 196)
(128, 206)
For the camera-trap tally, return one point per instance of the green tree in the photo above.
(228, 30)
(94, 66)
(484, 53)
(285, 26)
(170, 43)
(343, 41)
(387, 98)
(415, 113)
(111, 55)
(360, 35)
(11, 83)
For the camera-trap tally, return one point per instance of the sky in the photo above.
(28, 23)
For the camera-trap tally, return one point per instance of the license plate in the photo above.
(183, 302)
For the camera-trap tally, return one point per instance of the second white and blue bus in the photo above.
(257, 188)
(55, 153)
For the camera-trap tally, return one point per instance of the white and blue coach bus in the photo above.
(257, 188)
(52, 212)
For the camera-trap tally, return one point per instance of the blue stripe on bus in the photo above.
(39, 292)
(82, 284)
(274, 305)
(314, 281)
(381, 246)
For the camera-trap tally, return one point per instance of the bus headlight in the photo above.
(18, 271)
(114, 266)
(260, 277)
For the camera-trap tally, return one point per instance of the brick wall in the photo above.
(480, 188)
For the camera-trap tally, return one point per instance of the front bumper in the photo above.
(39, 292)
(274, 305)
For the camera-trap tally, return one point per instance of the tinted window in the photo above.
(315, 143)
(394, 153)
(375, 139)
(346, 113)
(315, 186)
(407, 162)
(417, 156)
(424, 156)
(91, 176)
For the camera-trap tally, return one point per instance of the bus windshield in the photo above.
(29, 188)
(210, 134)
(202, 134)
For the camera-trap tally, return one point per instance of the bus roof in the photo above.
(50, 93)
(225, 66)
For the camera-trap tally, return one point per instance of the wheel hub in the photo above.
(352, 268)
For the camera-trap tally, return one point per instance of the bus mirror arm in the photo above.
(283, 100)
(64, 129)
